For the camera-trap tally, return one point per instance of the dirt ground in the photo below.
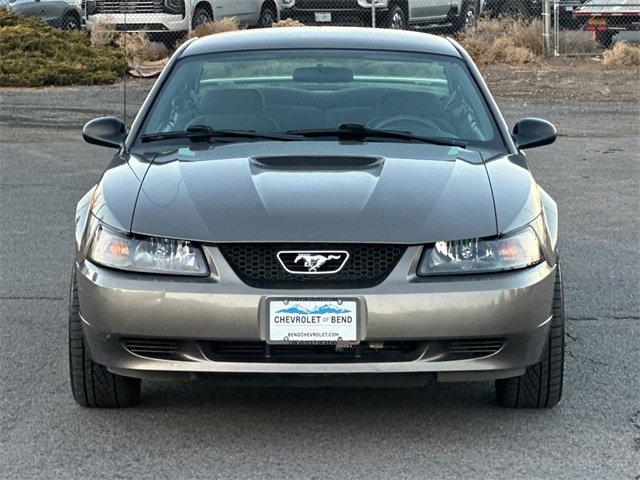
(447, 431)
(565, 79)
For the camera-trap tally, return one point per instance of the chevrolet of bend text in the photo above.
(317, 202)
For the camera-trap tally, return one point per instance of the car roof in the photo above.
(322, 38)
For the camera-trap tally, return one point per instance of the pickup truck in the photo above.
(397, 14)
(607, 18)
(168, 16)
(533, 8)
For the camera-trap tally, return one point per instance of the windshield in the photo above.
(301, 91)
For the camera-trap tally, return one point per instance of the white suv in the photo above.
(178, 15)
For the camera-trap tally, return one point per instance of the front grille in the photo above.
(475, 346)
(129, 6)
(262, 352)
(325, 6)
(137, 27)
(257, 265)
(153, 348)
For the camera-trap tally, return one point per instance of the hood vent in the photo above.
(313, 162)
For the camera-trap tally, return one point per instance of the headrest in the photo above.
(233, 101)
(409, 103)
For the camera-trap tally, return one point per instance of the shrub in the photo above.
(504, 40)
(34, 55)
(576, 43)
(288, 22)
(137, 46)
(622, 54)
(103, 34)
(228, 24)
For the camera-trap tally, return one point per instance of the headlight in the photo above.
(149, 255)
(288, 3)
(519, 250)
(174, 6)
(90, 7)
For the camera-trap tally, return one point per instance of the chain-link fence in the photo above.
(172, 21)
(363, 13)
(586, 27)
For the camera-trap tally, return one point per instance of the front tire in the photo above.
(201, 15)
(92, 384)
(71, 21)
(605, 39)
(267, 17)
(541, 384)
(467, 16)
(395, 18)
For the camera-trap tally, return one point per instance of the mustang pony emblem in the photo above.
(313, 262)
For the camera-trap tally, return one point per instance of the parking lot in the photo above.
(204, 430)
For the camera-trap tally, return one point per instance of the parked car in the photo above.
(393, 14)
(179, 15)
(317, 201)
(65, 14)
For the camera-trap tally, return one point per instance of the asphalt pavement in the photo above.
(203, 430)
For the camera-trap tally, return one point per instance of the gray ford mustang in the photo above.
(322, 203)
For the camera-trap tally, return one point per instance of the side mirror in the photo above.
(105, 131)
(533, 132)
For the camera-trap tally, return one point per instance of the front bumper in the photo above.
(514, 307)
(147, 22)
(351, 16)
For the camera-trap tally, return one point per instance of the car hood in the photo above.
(286, 192)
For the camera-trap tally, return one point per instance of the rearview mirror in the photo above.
(105, 131)
(533, 132)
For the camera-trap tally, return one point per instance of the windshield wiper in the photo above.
(203, 133)
(361, 132)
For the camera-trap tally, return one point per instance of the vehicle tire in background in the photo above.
(395, 18)
(605, 39)
(516, 8)
(541, 384)
(467, 16)
(201, 15)
(71, 21)
(91, 383)
(268, 16)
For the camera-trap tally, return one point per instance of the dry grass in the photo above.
(102, 34)
(578, 43)
(288, 22)
(622, 54)
(504, 41)
(229, 24)
(136, 46)
(33, 54)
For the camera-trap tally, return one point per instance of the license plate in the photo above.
(323, 17)
(312, 320)
(569, 8)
